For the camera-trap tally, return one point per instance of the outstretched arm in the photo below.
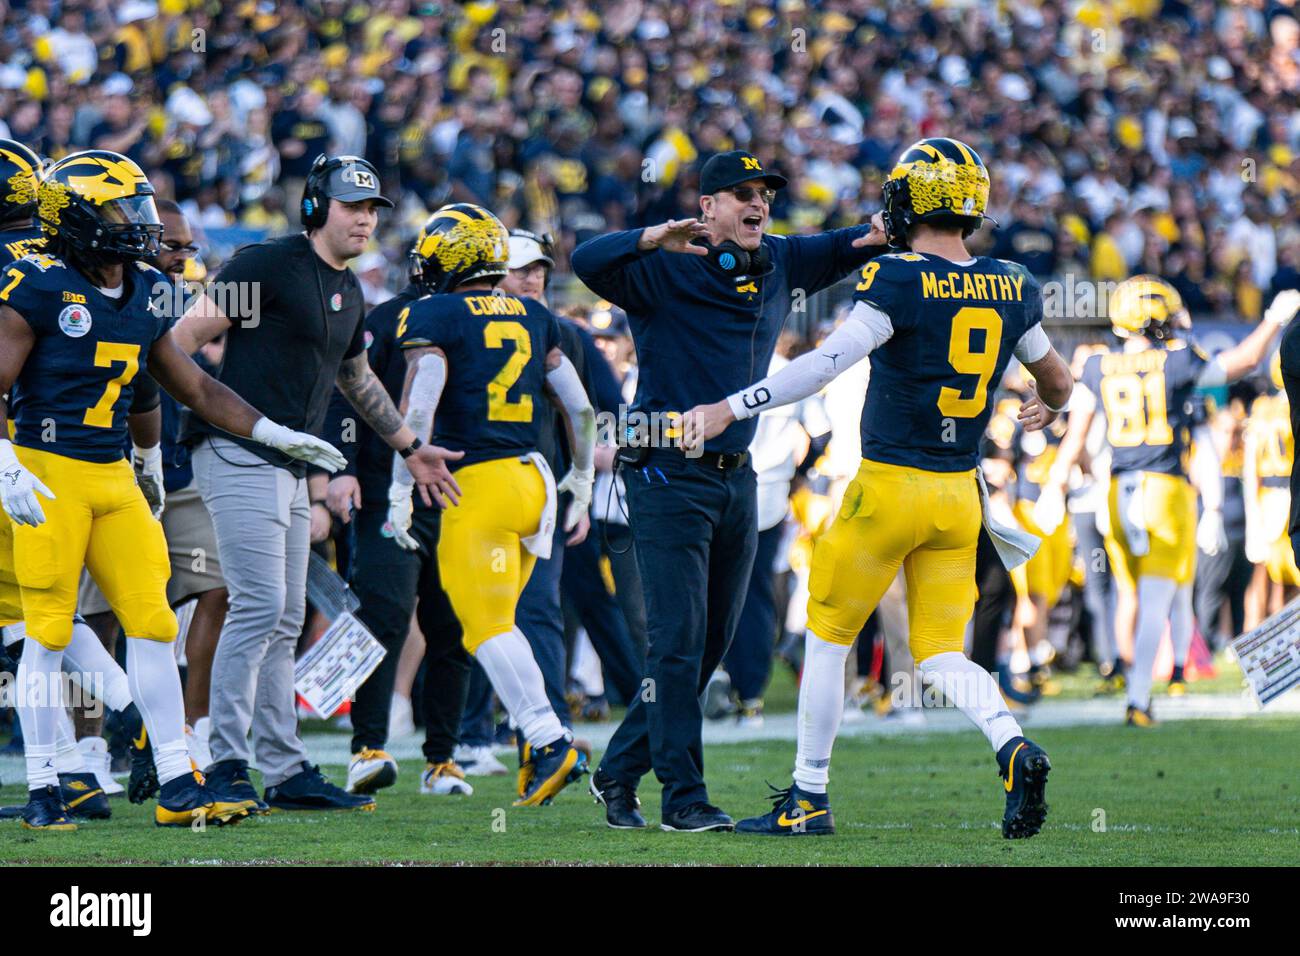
(1233, 363)
(564, 389)
(866, 329)
(217, 404)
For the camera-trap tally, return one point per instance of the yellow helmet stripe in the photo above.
(965, 153)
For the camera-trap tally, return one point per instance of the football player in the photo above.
(76, 320)
(1144, 387)
(84, 790)
(1266, 472)
(940, 327)
(479, 365)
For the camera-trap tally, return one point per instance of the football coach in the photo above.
(296, 332)
(706, 300)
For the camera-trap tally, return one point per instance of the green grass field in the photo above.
(1192, 793)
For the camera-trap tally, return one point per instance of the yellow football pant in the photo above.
(97, 519)
(481, 557)
(11, 599)
(891, 515)
(1169, 516)
(1046, 573)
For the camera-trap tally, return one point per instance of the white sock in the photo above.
(40, 698)
(68, 756)
(1180, 624)
(155, 685)
(1155, 601)
(515, 676)
(973, 691)
(821, 705)
(94, 669)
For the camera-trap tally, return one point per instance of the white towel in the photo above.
(1013, 545)
(540, 543)
(1132, 513)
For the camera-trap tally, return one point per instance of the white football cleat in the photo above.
(444, 778)
(479, 762)
(94, 751)
(371, 770)
(197, 738)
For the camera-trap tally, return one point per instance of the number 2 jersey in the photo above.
(75, 389)
(954, 330)
(1148, 398)
(496, 347)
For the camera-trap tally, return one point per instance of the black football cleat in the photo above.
(229, 779)
(84, 797)
(1177, 682)
(552, 768)
(143, 783)
(309, 790)
(45, 811)
(1137, 717)
(1024, 767)
(697, 818)
(794, 812)
(622, 807)
(186, 801)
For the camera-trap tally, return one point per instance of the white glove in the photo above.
(400, 509)
(578, 483)
(18, 488)
(1049, 509)
(299, 445)
(1283, 308)
(1210, 535)
(149, 476)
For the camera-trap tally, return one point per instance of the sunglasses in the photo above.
(746, 193)
(188, 251)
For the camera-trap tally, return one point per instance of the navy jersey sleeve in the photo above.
(614, 268)
(888, 283)
(1091, 377)
(28, 287)
(1184, 365)
(418, 325)
(816, 262)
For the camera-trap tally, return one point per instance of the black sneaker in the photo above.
(619, 800)
(697, 818)
(229, 779)
(45, 811)
(309, 790)
(143, 783)
(83, 796)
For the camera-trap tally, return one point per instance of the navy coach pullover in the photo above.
(701, 335)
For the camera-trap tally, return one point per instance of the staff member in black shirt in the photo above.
(706, 301)
(293, 320)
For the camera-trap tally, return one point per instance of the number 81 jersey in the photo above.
(1147, 398)
(74, 391)
(955, 328)
(496, 347)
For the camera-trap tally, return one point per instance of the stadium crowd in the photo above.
(1123, 138)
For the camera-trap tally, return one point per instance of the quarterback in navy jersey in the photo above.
(940, 327)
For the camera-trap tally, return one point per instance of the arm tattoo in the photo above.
(362, 387)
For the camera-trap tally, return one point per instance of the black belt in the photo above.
(721, 460)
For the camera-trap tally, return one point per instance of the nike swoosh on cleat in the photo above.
(140, 741)
(1011, 768)
(784, 821)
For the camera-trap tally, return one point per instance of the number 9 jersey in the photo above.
(496, 348)
(954, 329)
(74, 391)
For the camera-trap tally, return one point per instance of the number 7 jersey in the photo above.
(74, 392)
(496, 347)
(955, 328)
(1147, 398)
